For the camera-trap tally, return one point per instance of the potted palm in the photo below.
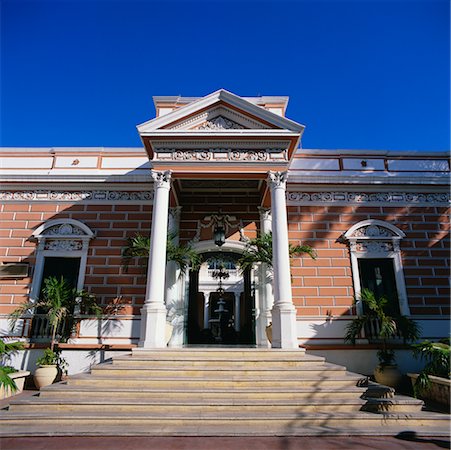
(259, 250)
(380, 327)
(433, 382)
(58, 302)
(11, 379)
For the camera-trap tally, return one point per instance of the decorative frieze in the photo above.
(221, 154)
(367, 197)
(59, 245)
(75, 196)
(372, 247)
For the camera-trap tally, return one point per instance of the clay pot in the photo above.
(45, 375)
(387, 375)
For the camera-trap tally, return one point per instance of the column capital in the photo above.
(277, 180)
(265, 213)
(161, 179)
(174, 212)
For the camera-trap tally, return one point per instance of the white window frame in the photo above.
(376, 239)
(63, 238)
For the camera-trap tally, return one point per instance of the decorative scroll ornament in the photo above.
(372, 247)
(63, 245)
(217, 220)
(373, 231)
(277, 180)
(220, 123)
(367, 197)
(71, 196)
(64, 229)
(222, 154)
(161, 179)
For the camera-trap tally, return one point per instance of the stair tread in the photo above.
(200, 402)
(325, 367)
(263, 390)
(274, 415)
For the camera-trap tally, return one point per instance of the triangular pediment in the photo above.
(223, 131)
(219, 111)
(219, 118)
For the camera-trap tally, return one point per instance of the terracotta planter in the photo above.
(439, 390)
(45, 375)
(19, 379)
(387, 375)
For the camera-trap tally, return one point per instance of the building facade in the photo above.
(376, 219)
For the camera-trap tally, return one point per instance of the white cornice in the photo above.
(215, 97)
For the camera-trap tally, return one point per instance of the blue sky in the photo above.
(360, 74)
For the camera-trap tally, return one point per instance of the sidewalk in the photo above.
(226, 443)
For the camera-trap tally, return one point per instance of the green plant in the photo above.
(259, 250)
(437, 357)
(387, 326)
(53, 358)
(138, 246)
(7, 349)
(58, 302)
(47, 359)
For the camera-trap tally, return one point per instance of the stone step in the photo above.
(194, 361)
(195, 393)
(197, 407)
(22, 424)
(229, 372)
(218, 352)
(239, 383)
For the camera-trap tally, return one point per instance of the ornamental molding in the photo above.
(222, 154)
(161, 179)
(373, 232)
(367, 197)
(64, 229)
(239, 119)
(63, 245)
(211, 145)
(75, 196)
(220, 123)
(277, 180)
(372, 247)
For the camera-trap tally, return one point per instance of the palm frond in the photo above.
(5, 381)
(138, 246)
(259, 250)
(354, 329)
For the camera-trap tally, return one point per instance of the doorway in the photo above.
(221, 303)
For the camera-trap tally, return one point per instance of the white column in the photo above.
(153, 314)
(284, 330)
(266, 283)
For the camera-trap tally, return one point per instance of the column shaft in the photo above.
(153, 314)
(283, 312)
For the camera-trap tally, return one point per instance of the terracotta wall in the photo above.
(112, 224)
(324, 286)
(320, 287)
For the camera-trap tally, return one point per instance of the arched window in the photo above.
(376, 262)
(62, 250)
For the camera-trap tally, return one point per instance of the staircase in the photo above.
(218, 392)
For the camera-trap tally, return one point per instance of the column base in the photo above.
(153, 326)
(284, 329)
